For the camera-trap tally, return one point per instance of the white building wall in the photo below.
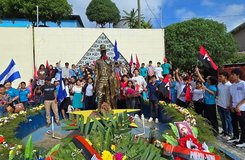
(70, 44)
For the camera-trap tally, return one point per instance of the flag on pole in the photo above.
(35, 73)
(116, 52)
(206, 59)
(62, 91)
(47, 68)
(131, 61)
(10, 74)
(188, 91)
(167, 85)
(47, 65)
(137, 62)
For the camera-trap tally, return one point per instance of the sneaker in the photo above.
(232, 140)
(241, 145)
(239, 142)
(227, 137)
(150, 119)
(136, 116)
(48, 125)
(58, 123)
(156, 120)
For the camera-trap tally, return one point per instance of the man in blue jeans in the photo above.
(223, 103)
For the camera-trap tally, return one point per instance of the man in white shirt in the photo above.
(150, 71)
(223, 103)
(237, 91)
(140, 86)
(66, 71)
(158, 71)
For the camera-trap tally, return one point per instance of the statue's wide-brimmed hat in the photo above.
(103, 47)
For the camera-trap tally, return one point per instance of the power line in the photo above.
(153, 13)
(227, 16)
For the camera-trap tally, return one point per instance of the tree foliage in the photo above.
(49, 10)
(131, 18)
(183, 40)
(237, 58)
(102, 12)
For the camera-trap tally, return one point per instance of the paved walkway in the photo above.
(230, 150)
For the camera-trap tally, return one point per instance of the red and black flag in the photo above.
(206, 59)
(137, 62)
(131, 61)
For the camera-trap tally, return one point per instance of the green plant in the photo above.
(102, 12)
(184, 39)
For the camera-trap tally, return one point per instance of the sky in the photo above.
(166, 12)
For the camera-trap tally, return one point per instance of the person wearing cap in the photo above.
(106, 83)
(50, 101)
(166, 67)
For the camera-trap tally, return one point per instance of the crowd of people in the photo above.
(137, 84)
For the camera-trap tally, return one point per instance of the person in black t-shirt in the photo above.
(50, 101)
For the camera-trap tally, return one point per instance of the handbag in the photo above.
(19, 107)
(10, 109)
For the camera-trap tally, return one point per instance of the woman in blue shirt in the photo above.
(210, 99)
(12, 92)
(24, 93)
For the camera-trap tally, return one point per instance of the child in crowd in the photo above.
(153, 98)
(89, 92)
(143, 71)
(197, 98)
(37, 98)
(129, 93)
(5, 101)
(77, 101)
(24, 94)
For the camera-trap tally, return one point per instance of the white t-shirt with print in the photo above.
(158, 72)
(237, 91)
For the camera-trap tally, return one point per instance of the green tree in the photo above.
(182, 42)
(102, 12)
(49, 10)
(237, 58)
(146, 25)
(131, 18)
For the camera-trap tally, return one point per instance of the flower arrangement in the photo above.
(11, 117)
(188, 117)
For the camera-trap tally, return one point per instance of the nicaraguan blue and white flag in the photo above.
(62, 91)
(116, 52)
(10, 74)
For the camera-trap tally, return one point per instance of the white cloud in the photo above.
(184, 14)
(232, 15)
(79, 7)
(207, 3)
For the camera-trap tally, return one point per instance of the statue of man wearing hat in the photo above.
(107, 85)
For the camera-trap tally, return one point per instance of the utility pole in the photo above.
(139, 17)
(37, 16)
(161, 17)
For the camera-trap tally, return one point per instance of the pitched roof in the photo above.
(238, 28)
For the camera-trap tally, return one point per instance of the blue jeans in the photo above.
(226, 120)
(3, 111)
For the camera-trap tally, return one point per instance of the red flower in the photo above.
(182, 141)
(2, 139)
